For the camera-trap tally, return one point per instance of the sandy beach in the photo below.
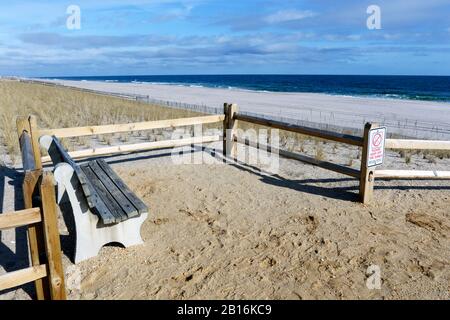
(232, 232)
(404, 117)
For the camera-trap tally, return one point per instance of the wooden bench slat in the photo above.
(95, 203)
(137, 203)
(106, 194)
(106, 197)
(94, 200)
(115, 192)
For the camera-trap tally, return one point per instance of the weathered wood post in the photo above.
(55, 270)
(28, 132)
(225, 126)
(367, 178)
(35, 233)
(230, 126)
(25, 144)
(34, 131)
(31, 163)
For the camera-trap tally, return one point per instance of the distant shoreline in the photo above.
(421, 119)
(390, 98)
(417, 88)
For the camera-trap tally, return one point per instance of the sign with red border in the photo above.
(376, 150)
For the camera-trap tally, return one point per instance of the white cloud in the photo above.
(177, 13)
(288, 16)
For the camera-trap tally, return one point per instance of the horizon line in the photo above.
(234, 74)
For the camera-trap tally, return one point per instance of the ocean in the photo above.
(428, 88)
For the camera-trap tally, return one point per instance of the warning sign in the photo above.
(377, 138)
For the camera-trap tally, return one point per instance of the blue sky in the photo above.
(224, 37)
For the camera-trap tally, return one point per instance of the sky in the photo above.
(158, 37)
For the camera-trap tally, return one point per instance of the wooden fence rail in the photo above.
(412, 175)
(295, 156)
(417, 144)
(30, 153)
(405, 144)
(327, 135)
(130, 127)
(20, 218)
(147, 146)
(23, 276)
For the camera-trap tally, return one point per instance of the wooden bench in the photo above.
(97, 206)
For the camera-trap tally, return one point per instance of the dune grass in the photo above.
(57, 107)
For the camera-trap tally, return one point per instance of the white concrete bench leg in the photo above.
(90, 234)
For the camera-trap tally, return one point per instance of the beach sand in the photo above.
(421, 117)
(231, 232)
(226, 232)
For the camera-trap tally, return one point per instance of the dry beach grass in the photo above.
(62, 108)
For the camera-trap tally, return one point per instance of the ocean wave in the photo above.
(380, 87)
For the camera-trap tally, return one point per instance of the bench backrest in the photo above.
(58, 155)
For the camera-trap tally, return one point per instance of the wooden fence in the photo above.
(41, 218)
(131, 127)
(46, 269)
(230, 120)
(365, 175)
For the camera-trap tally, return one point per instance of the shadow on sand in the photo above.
(310, 186)
(10, 260)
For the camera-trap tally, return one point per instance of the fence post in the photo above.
(51, 234)
(26, 146)
(29, 126)
(367, 174)
(225, 126)
(35, 233)
(22, 125)
(31, 160)
(34, 132)
(229, 130)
